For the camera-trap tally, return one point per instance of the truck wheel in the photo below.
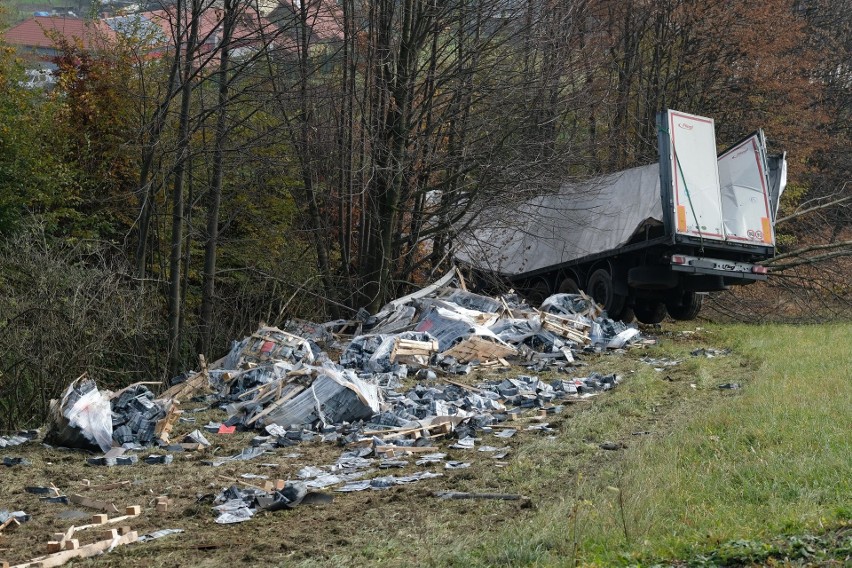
(686, 307)
(650, 311)
(537, 293)
(601, 289)
(569, 286)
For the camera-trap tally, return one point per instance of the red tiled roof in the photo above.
(31, 32)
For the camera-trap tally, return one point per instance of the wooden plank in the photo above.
(93, 504)
(164, 426)
(189, 387)
(465, 495)
(87, 485)
(407, 449)
(107, 522)
(287, 396)
(479, 348)
(461, 385)
(60, 558)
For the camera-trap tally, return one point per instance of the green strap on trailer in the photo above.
(685, 187)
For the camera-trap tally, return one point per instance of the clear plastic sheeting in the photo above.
(135, 414)
(472, 301)
(269, 344)
(334, 396)
(81, 418)
(571, 304)
(373, 353)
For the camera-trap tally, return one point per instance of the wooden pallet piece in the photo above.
(479, 348)
(187, 389)
(10, 523)
(87, 485)
(413, 348)
(163, 429)
(291, 392)
(93, 503)
(87, 551)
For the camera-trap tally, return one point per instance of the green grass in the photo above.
(744, 466)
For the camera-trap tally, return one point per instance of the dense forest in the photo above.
(170, 191)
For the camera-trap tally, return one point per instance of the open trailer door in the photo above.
(696, 199)
(745, 191)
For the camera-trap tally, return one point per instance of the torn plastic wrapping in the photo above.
(529, 332)
(135, 414)
(334, 396)
(473, 301)
(447, 327)
(82, 418)
(268, 344)
(571, 304)
(394, 319)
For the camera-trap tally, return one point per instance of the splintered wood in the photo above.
(163, 429)
(411, 351)
(192, 386)
(87, 551)
(93, 504)
(479, 348)
(571, 328)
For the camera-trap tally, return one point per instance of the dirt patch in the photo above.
(361, 528)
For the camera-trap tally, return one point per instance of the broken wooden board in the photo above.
(465, 495)
(87, 485)
(574, 329)
(189, 388)
(98, 521)
(409, 350)
(292, 391)
(479, 348)
(93, 504)
(399, 450)
(164, 426)
(10, 523)
(87, 551)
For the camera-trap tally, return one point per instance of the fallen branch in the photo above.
(463, 495)
(802, 251)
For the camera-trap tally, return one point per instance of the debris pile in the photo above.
(284, 385)
(135, 415)
(81, 418)
(21, 437)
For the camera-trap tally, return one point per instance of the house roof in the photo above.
(32, 32)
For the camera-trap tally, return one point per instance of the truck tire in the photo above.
(601, 289)
(650, 311)
(569, 286)
(537, 293)
(685, 307)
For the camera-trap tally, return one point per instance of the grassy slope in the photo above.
(771, 458)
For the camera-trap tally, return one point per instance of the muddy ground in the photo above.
(362, 528)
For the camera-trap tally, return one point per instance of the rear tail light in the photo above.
(759, 269)
(678, 259)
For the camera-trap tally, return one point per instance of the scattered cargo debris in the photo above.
(281, 384)
(21, 437)
(81, 418)
(710, 352)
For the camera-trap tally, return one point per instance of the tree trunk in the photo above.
(175, 254)
(214, 195)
